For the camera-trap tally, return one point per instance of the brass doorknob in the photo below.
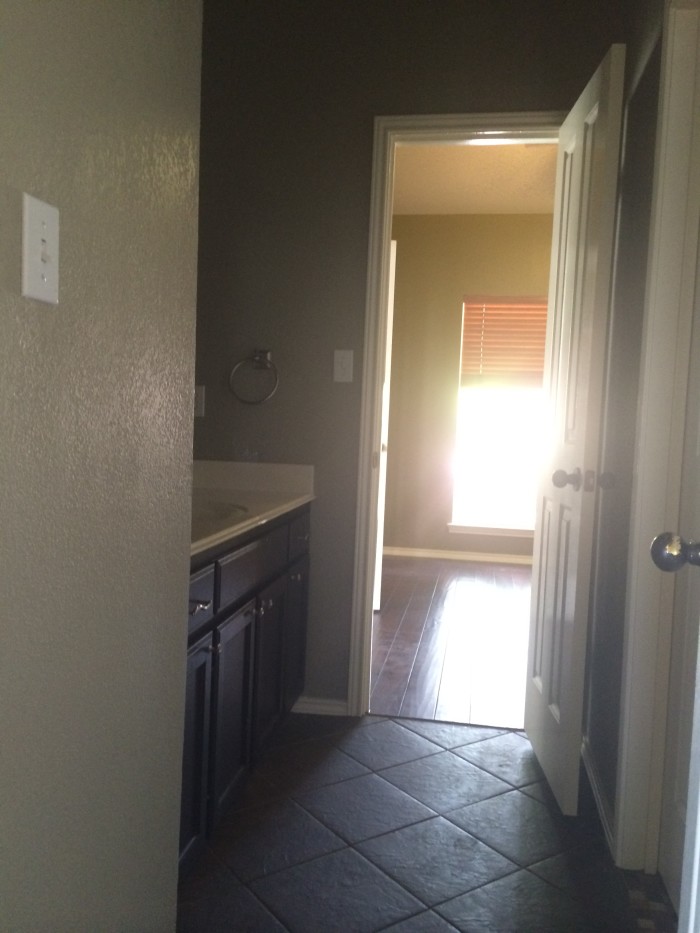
(670, 552)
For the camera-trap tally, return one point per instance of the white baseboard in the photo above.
(602, 803)
(474, 556)
(321, 706)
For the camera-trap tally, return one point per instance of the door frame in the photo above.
(389, 132)
(656, 485)
(658, 454)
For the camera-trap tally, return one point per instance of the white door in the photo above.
(686, 618)
(384, 442)
(580, 278)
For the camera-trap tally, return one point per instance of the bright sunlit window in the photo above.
(500, 414)
(497, 457)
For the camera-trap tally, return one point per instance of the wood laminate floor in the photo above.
(450, 641)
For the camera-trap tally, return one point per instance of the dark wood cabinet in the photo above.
(294, 633)
(245, 664)
(231, 713)
(246, 568)
(267, 690)
(195, 757)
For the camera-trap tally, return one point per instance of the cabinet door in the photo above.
(231, 713)
(299, 534)
(193, 809)
(201, 602)
(267, 689)
(294, 633)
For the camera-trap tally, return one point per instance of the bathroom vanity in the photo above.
(246, 639)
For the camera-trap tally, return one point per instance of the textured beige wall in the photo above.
(99, 111)
(439, 260)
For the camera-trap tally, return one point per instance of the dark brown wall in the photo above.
(290, 90)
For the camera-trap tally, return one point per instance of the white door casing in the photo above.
(684, 645)
(388, 133)
(661, 693)
(384, 439)
(660, 428)
(579, 299)
(679, 849)
(686, 598)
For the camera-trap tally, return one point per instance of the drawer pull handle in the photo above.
(199, 605)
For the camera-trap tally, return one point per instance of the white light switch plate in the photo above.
(39, 250)
(342, 365)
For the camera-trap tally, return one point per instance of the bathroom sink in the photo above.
(221, 510)
(213, 513)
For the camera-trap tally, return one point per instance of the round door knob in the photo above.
(561, 478)
(670, 552)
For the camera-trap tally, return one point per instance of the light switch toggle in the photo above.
(39, 250)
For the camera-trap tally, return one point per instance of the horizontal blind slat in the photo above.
(503, 339)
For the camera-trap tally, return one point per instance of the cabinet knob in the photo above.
(265, 604)
(199, 605)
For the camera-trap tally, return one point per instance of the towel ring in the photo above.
(260, 361)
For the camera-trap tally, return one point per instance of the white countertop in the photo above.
(230, 498)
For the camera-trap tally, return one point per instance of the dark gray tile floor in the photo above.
(410, 826)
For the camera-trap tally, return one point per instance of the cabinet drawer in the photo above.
(299, 535)
(201, 603)
(250, 566)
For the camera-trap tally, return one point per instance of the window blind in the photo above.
(503, 341)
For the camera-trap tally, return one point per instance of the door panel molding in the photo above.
(537, 672)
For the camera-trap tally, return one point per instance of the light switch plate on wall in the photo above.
(342, 365)
(39, 250)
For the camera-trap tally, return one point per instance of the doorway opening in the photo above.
(462, 591)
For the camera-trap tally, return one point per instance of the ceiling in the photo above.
(468, 179)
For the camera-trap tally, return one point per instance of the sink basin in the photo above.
(220, 510)
(214, 513)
